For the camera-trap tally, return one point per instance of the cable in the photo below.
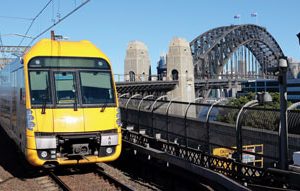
(33, 20)
(20, 18)
(58, 10)
(47, 29)
(52, 19)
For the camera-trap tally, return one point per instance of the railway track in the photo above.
(80, 179)
(59, 182)
(51, 182)
(116, 182)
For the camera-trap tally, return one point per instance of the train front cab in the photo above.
(72, 114)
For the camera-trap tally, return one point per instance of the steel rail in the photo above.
(59, 182)
(112, 179)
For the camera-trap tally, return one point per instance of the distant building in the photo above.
(162, 67)
(267, 85)
(263, 85)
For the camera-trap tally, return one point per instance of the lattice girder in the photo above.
(212, 49)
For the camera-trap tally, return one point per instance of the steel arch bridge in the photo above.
(212, 49)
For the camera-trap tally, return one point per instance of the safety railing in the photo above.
(210, 127)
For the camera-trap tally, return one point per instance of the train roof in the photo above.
(48, 47)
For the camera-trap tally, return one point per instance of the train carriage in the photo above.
(58, 103)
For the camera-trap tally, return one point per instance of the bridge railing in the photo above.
(163, 77)
(139, 77)
(229, 76)
(190, 125)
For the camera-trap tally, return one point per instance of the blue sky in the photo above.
(111, 24)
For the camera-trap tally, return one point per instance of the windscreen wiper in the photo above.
(104, 106)
(75, 100)
(44, 98)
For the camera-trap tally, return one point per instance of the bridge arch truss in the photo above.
(212, 49)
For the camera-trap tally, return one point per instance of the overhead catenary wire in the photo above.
(33, 20)
(57, 22)
(16, 18)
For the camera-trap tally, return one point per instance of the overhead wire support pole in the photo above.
(60, 20)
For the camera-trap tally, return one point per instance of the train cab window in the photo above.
(39, 87)
(96, 87)
(65, 88)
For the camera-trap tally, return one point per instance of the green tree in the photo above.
(265, 116)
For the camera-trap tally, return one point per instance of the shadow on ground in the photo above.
(12, 160)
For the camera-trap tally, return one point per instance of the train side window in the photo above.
(39, 87)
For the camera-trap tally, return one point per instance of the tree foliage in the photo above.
(264, 117)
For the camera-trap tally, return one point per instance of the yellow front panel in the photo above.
(44, 122)
(68, 120)
(60, 120)
(99, 121)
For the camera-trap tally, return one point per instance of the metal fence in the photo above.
(212, 128)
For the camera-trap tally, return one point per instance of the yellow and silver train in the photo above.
(58, 103)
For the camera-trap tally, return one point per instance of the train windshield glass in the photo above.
(40, 87)
(65, 88)
(86, 84)
(96, 87)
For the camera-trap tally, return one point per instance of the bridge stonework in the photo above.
(180, 67)
(137, 62)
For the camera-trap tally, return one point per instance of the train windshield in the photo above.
(96, 87)
(40, 87)
(86, 84)
(65, 87)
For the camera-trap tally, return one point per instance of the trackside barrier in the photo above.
(167, 113)
(217, 130)
(214, 130)
(152, 109)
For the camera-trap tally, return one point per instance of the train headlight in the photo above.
(119, 121)
(109, 150)
(44, 154)
(47, 154)
(29, 120)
